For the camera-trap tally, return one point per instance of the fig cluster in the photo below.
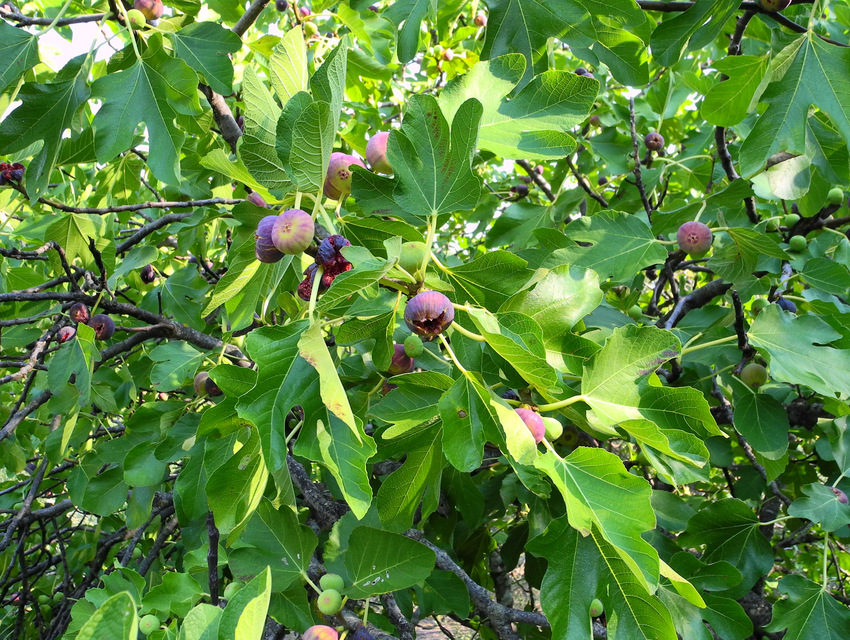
(11, 172)
(330, 600)
(428, 314)
(288, 233)
(329, 257)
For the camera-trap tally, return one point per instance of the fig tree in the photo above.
(412, 256)
(654, 141)
(264, 250)
(754, 375)
(596, 608)
(553, 428)
(339, 172)
(835, 196)
(79, 313)
(798, 243)
(534, 423)
(400, 362)
(293, 231)
(148, 624)
(694, 238)
(103, 326)
(428, 314)
(320, 632)
(151, 9)
(376, 152)
(329, 602)
(332, 581)
(413, 346)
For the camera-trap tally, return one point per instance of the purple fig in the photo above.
(281, 5)
(293, 231)
(305, 11)
(65, 334)
(257, 200)
(428, 314)
(534, 423)
(521, 190)
(694, 238)
(265, 249)
(103, 326)
(329, 250)
(401, 362)
(481, 20)
(840, 495)
(786, 305)
(320, 632)
(376, 152)
(200, 383)
(147, 274)
(151, 9)
(79, 313)
(654, 141)
(212, 388)
(339, 172)
(305, 288)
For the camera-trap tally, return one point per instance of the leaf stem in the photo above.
(314, 292)
(825, 551)
(711, 343)
(452, 354)
(310, 582)
(469, 334)
(429, 242)
(554, 406)
(59, 17)
(126, 26)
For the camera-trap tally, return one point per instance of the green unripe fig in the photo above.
(413, 346)
(835, 196)
(754, 375)
(412, 256)
(58, 597)
(232, 589)
(329, 602)
(43, 599)
(635, 313)
(148, 624)
(137, 19)
(137, 553)
(46, 610)
(332, 581)
(772, 224)
(310, 29)
(554, 428)
(596, 608)
(632, 164)
(790, 220)
(758, 305)
(798, 243)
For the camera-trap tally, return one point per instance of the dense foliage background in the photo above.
(689, 500)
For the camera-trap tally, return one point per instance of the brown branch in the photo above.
(744, 346)
(249, 17)
(149, 228)
(539, 180)
(748, 451)
(584, 184)
(636, 155)
(694, 300)
(27, 21)
(137, 207)
(16, 418)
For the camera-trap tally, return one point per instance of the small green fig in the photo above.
(798, 243)
(635, 312)
(790, 220)
(772, 224)
(754, 375)
(137, 19)
(835, 196)
(553, 428)
(232, 589)
(148, 624)
(758, 305)
(596, 608)
(413, 345)
(332, 581)
(412, 256)
(329, 602)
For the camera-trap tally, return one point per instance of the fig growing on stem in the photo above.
(553, 428)
(428, 314)
(265, 251)
(412, 256)
(212, 388)
(654, 141)
(232, 589)
(840, 495)
(293, 231)
(332, 581)
(147, 274)
(200, 382)
(798, 243)
(835, 196)
(534, 423)
(694, 238)
(103, 326)
(320, 632)
(79, 313)
(413, 346)
(481, 20)
(137, 19)
(754, 375)
(596, 608)
(786, 305)
(376, 152)
(257, 200)
(148, 624)
(401, 362)
(339, 173)
(151, 9)
(65, 334)
(281, 5)
(790, 220)
(329, 602)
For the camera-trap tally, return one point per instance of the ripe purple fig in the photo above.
(79, 313)
(401, 362)
(786, 305)
(305, 11)
(320, 632)
(694, 238)
(339, 172)
(212, 388)
(376, 152)
(581, 71)
(151, 9)
(200, 383)
(147, 274)
(103, 326)
(281, 5)
(774, 5)
(654, 141)
(521, 190)
(305, 288)
(329, 250)
(293, 231)
(428, 314)
(840, 495)
(65, 334)
(534, 423)
(255, 198)
(265, 249)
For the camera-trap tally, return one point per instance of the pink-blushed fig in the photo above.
(534, 423)
(331, 191)
(305, 11)
(65, 334)
(448, 54)
(596, 608)
(79, 313)
(428, 314)
(329, 602)
(265, 251)
(481, 20)
(694, 238)
(200, 382)
(293, 231)
(147, 274)
(332, 581)
(835, 196)
(774, 5)
(103, 326)
(376, 152)
(754, 375)
(412, 256)
(654, 141)
(595, 121)
(320, 632)
(413, 346)
(840, 495)
(257, 200)
(212, 388)
(339, 171)
(151, 9)
(520, 190)
(539, 169)
(137, 19)
(400, 362)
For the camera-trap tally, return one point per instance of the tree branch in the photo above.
(188, 204)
